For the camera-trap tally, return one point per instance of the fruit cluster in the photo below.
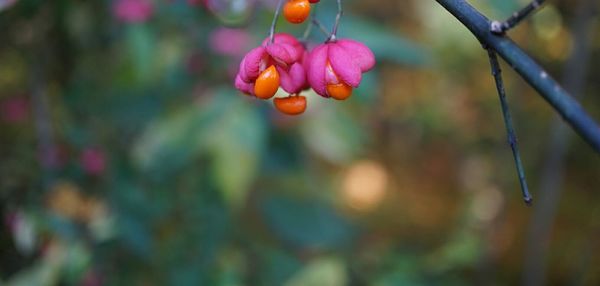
(332, 69)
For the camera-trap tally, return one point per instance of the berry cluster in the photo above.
(332, 69)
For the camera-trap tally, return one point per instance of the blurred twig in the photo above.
(43, 126)
(501, 27)
(512, 136)
(47, 154)
(551, 179)
(523, 64)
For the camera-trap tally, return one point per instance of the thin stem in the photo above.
(313, 22)
(320, 26)
(516, 18)
(512, 137)
(338, 17)
(274, 22)
(43, 125)
(307, 32)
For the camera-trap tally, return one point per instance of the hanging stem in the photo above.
(274, 22)
(501, 27)
(311, 24)
(307, 32)
(314, 22)
(512, 137)
(338, 17)
(320, 26)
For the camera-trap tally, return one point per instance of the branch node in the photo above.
(500, 28)
(496, 28)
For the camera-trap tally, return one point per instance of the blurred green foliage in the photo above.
(129, 159)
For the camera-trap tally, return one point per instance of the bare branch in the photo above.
(570, 110)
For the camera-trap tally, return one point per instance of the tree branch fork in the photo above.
(495, 40)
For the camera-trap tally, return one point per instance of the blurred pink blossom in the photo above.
(195, 62)
(93, 161)
(91, 278)
(52, 156)
(5, 4)
(14, 109)
(230, 42)
(10, 220)
(133, 11)
(195, 2)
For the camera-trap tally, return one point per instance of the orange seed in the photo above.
(339, 91)
(267, 83)
(291, 105)
(296, 11)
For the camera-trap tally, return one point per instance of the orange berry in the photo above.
(339, 91)
(296, 11)
(267, 83)
(291, 105)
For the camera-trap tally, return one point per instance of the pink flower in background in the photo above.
(5, 4)
(14, 109)
(10, 220)
(229, 42)
(133, 11)
(93, 161)
(195, 2)
(91, 278)
(195, 62)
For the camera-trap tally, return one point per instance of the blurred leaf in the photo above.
(172, 141)
(307, 224)
(231, 265)
(190, 253)
(462, 250)
(328, 271)
(385, 44)
(279, 266)
(133, 221)
(136, 235)
(333, 134)
(226, 127)
(231, 12)
(506, 7)
(25, 233)
(77, 262)
(142, 46)
(186, 274)
(45, 271)
(405, 271)
(237, 146)
(369, 90)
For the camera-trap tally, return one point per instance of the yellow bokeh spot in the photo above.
(364, 185)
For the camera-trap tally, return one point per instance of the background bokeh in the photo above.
(128, 158)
